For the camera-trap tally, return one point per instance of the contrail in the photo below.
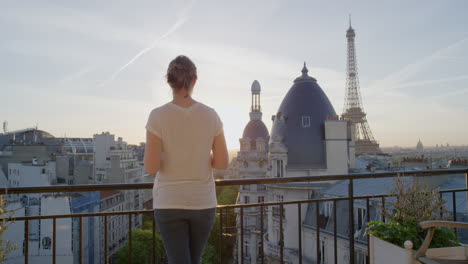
(398, 77)
(76, 75)
(183, 16)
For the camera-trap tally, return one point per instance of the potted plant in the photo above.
(397, 239)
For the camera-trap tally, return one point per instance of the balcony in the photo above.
(310, 229)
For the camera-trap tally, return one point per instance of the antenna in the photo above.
(349, 19)
(5, 127)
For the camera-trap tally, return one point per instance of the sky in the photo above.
(77, 68)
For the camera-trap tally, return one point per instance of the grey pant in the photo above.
(184, 233)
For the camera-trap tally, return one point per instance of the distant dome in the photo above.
(255, 129)
(304, 109)
(255, 87)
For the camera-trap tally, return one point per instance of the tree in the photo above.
(142, 243)
(5, 219)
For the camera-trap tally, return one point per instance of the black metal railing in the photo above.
(223, 212)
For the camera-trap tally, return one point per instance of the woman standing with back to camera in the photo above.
(180, 137)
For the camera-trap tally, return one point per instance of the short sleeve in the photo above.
(218, 125)
(153, 124)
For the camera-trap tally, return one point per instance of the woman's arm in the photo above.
(153, 151)
(220, 158)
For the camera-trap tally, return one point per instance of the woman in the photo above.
(180, 137)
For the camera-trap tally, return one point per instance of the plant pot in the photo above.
(383, 252)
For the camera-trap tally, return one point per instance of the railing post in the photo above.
(299, 224)
(367, 222)
(454, 204)
(80, 239)
(317, 220)
(242, 233)
(26, 241)
(351, 221)
(466, 187)
(384, 210)
(335, 240)
(220, 235)
(261, 233)
(54, 237)
(130, 238)
(281, 234)
(154, 238)
(105, 240)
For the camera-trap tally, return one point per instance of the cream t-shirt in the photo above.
(185, 178)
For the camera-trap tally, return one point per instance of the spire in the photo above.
(350, 20)
(305, 76)
(304, 70)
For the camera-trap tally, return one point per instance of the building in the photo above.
(420, 147)
(91, 229)
(252, 162)
(117, 225)
(307, 139)
(32, 157)
(116, 162)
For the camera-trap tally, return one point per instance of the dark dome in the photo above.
(306, 144)
(255, 129)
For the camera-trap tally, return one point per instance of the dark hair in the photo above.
(181, 73)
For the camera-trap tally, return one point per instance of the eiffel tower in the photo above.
(353, 109)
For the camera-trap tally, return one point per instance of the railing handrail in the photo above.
(222, 182)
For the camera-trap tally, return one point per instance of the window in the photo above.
(261, 199)
(361, 214)
(246, 199)
(46, 242)
(279, 168)
(305, 121)
(279, 197)
(246, 249)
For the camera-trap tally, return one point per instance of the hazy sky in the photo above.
(83, 67)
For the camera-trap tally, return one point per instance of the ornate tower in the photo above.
(252, 162)
(353, 109)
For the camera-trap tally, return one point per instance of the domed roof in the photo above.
(300, 121)
(255, 129)
(255, 87)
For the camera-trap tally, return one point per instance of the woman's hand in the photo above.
(220, 158)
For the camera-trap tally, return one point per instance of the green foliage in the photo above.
(227, 194)
(397, 234)
(414, 203)
(209, 255)
(142, 243)
(5, 219)
(147, 222)
(142, 238)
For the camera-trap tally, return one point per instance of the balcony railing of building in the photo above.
(279, 248)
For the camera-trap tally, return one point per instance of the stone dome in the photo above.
(300, 122)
